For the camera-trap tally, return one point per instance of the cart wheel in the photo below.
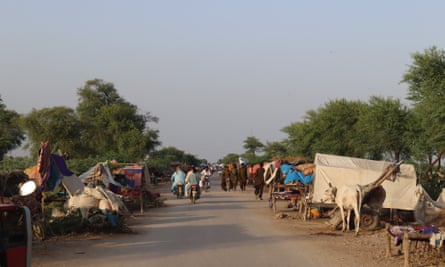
(369, 221)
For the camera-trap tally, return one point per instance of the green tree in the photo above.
(382, 129)
(252, 146)
(58, 125)
(163, 157)
(275, 149)
(111, 125)
(330, 129)
(11, 135)
(230, 158)
(151, 137)
(426, 88)
(299, 138)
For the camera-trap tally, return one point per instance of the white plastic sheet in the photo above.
(339, 170)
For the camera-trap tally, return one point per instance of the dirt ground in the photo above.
(367, 249)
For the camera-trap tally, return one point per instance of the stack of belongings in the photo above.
(98, 198)
(53, 175)
(303, 173)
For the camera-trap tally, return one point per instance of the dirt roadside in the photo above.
(367, 249)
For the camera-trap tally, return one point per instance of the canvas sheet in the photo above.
(99, 172)
(339, 170)
(72, 184)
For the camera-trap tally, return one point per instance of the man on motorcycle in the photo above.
(178, 177)
(205, 174)
(192, 179)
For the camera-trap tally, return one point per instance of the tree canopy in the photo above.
(426, 88)
(253, 145)
(103, 124)
(58, 125)
(11, 134)
(382, 128)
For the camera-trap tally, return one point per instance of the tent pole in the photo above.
(43, 207)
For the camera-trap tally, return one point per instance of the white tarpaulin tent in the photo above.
(339, 170)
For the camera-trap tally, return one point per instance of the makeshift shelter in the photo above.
(51, 171)
(99, 174)
(340, 170)
(137, 173)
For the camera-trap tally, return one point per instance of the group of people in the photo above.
(232, 177)
(235, 176)
(193, 177)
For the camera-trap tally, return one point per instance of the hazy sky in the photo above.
(214, 72)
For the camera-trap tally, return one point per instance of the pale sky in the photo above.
(214, 72)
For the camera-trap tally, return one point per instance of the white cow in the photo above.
(347, 198)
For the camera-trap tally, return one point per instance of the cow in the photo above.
(347, 197)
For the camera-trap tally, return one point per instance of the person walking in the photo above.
(259, 182)
(225, 183)
(242, 175)
(234, 176)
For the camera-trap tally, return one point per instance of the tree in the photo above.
(58, 125)
(11, 135)
(330, 129)
(275, 149)
(109, 124)
(299, 138)
(426, 88)
(252, 145)
(230, 158)
(103, 125)
(163, 157)
(382, 128)
(151, 140)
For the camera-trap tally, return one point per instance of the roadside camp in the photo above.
(93, 201)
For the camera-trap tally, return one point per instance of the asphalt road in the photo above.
(221, 229)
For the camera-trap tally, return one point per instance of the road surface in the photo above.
(222, 229)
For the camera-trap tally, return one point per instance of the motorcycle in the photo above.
(179, 191)
(206, 183)
(194, 194)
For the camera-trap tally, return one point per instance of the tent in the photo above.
(340, 170)
(99, 173)
(51, 171)
(138, 173)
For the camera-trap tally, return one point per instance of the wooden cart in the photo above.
(294, 194)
